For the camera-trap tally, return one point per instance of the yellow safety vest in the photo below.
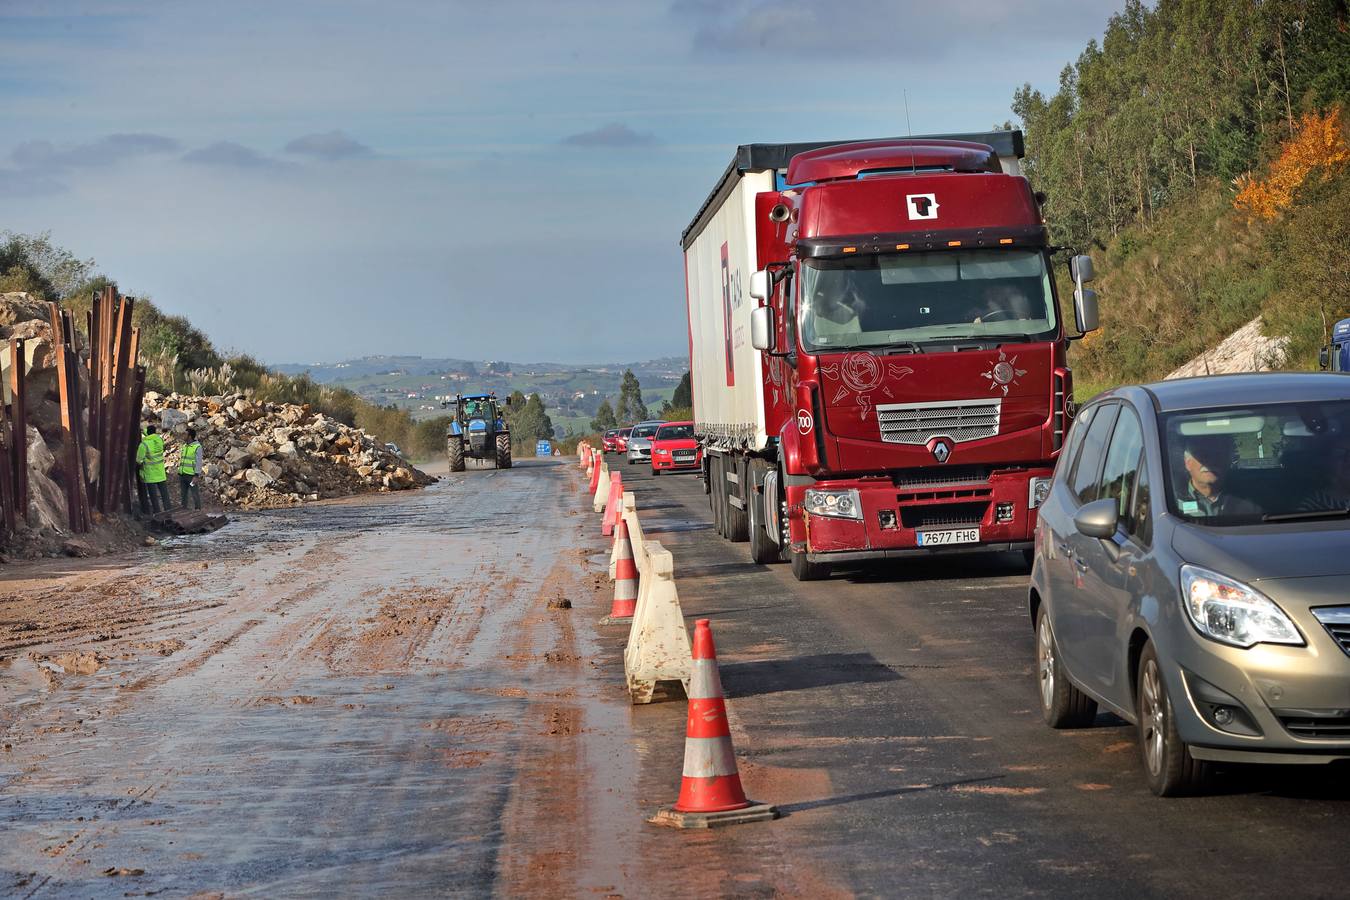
(187, 462)
(150, 457)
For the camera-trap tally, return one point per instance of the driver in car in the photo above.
(1207, 460)
(1336, 495)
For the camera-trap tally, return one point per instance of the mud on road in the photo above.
(366, 697)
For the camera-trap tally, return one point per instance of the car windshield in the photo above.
(902, 298)
(675, 433)
(642, 431)
(1269, 463)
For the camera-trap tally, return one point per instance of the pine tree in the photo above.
(604, 418)
(630, 407)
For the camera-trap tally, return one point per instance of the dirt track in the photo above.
(352, 698)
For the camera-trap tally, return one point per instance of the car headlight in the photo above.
(1038, 491)
(1233, 613)
(659, 452)
(839, 504)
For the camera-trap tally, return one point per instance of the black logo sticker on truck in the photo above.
(921, 206)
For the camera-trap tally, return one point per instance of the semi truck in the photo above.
(877, 348)
(1335, 356)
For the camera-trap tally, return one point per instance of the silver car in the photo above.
(1192, 572)
(640, 441)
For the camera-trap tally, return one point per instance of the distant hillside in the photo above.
(571, 393)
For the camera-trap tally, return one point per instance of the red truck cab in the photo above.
(914, 385)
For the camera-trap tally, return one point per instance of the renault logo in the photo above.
(941, 449)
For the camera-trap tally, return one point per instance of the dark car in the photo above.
(1191, 572)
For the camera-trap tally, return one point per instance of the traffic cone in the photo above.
(599, 473)
(588, 465)
(612, 506)
(625, 579)
(710, 792)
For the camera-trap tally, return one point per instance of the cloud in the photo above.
(614, 134)
(16, 183)
(47, 157)
(228, 154)
(330, 145)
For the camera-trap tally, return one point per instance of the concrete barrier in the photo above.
(658, 655)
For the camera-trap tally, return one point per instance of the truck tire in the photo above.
(738, 521)
(503, 451)
(454, 450)
(715, 499)
(762, 548)
(805, 570)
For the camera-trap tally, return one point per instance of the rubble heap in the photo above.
(258, 454)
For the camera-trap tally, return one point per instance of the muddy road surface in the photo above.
(362, 698)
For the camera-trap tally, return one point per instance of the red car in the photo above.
(621, 439)
(610, 442)
(675, 450)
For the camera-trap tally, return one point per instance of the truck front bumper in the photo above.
(892, 517)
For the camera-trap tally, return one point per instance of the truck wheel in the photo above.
(454, 449)
(715, 498)
(762, 549)
(805, 570)
(503, 451)
(738, 523)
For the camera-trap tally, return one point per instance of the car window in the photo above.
(1083, 481)
(1122, 463)
(1076, 432)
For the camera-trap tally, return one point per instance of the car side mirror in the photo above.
(1085, 309)
(762, 327)
(1098, 519)
(760, 285)
(1080, 268)
(1324, 359)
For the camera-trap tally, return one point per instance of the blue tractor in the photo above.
(478, 430)
(1336, 356)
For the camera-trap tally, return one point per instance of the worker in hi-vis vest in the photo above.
(150, 459)
(189, 467)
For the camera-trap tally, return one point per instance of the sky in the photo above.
(316, 180)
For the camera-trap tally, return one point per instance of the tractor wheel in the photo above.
(454, 449)
(503, 451)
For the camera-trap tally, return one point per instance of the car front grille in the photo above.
(1332, 723)
(1336, 620)
(958, 420)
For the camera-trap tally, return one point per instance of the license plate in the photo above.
(955, 536)
(684, 457)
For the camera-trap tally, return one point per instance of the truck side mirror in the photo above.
(1080, 267)
(760, 286)
(1085, 309)
(1324, 359)
(761, 323)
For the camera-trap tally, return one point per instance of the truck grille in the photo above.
(940, 475)
(1336, 620)
(956, 420)
(943, 515)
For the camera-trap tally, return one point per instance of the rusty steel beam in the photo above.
(18, 383)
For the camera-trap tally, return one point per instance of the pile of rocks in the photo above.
(258, 454)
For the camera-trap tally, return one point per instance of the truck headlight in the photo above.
(1037, 492)
(1233, 613)
(837, 504)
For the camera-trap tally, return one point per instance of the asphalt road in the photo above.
(891, 713)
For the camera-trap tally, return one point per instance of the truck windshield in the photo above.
(909, 298)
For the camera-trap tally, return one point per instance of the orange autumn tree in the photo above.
(1317, 146)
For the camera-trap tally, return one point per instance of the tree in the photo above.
(429, 437)
(630, 407)
(682, 399)
(604, 418)
(529, 420)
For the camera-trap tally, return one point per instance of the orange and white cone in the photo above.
(625, 579)
(710, 791)
(612, 513)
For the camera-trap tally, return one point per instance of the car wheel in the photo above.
(1168, 764)
(1062, 704)
(655, 471)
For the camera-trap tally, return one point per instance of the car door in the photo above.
(1105, 564)
(1055, 517)
(1072, 597)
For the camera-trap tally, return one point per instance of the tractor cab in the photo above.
(1336, 355)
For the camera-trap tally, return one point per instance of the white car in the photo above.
(640, 441)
